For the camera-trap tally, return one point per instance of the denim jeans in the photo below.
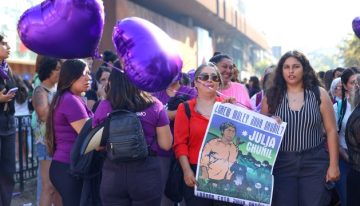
(299, 178)
(341, 183)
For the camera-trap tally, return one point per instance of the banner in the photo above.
(237, 156)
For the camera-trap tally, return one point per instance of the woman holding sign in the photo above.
(189, 132)
(303, 170)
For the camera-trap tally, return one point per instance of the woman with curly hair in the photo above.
(303, 169)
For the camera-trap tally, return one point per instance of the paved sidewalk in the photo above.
(27, 196)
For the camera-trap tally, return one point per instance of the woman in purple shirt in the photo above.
(171, 97)
(136, 182)
(67, 115)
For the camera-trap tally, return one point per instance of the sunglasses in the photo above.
(206, 77)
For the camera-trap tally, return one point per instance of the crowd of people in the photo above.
(320, 148)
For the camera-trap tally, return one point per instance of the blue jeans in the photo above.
(341, 184)
(42, 154)
(299, 178)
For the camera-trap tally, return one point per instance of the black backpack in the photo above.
(124, 137)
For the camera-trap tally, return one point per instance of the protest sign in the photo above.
(237, 156)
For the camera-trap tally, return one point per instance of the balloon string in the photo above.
(237, 102)
(98, 57)
(113, 67)
(225, 96)
(177, 92)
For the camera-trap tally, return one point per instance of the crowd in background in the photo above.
(310, 162)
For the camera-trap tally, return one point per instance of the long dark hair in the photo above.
(46, 66)
(218, 57)
(71, 70)
(345, 76)
(122, 94)
(23, 92)
(278, 86)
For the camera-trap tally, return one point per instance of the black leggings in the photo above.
(68, 186)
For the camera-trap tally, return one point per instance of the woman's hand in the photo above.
(277, 119)
(230, 100)
(189, 178)
(101, 91)
(333, 174)
(100, 148)
(6, 97)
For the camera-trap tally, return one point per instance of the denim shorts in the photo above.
(42, 152)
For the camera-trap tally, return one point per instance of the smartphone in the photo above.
(12, 90)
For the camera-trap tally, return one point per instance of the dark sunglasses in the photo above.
(205, 77)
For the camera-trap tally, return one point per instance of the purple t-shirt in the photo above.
(152, 117)
(164, 98)
(70, 108)
(183, 90)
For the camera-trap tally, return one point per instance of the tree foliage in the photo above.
(260, 67)
(350, 51)
(323, 60)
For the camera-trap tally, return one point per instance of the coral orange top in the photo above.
(189, 134)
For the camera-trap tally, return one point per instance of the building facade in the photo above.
(198, 27)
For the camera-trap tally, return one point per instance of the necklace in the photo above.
(295, 97)
(292, 99)
(295, 100)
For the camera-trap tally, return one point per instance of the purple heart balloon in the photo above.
(151, 60)
(356, 26)
(63, 28)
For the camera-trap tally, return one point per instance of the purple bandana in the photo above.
(4, 70)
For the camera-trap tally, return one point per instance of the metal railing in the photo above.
(26, 160)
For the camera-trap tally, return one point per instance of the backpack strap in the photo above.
(187, 109)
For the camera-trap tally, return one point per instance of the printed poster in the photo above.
(237, 156)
